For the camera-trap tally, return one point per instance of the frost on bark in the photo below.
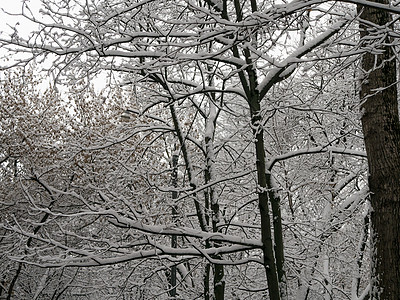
(380, 121)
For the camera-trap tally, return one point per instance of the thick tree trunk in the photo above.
(380, 121)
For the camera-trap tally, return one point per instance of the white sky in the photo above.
(15, 6)
(9, 21)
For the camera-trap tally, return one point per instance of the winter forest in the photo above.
(200, 149)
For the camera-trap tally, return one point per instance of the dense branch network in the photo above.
(257, 99)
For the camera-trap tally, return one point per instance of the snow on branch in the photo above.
(93, 260)
(314, 150)
(279, 73)
(179, 231)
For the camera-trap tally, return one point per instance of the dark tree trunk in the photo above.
(206, 281)
(380, 121)
(219, 282)
(263, 199)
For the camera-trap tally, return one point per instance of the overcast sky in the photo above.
(15, 7)
(9, 6)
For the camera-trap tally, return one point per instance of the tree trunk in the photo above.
(174, 242)
(380, 121)
(219, 282)
(266, 230)
(275, 201)
(206, 281)
(213, 202)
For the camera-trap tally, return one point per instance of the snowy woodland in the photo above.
(200, 149)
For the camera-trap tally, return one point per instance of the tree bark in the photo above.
(380, 122)
(275, 201)
(266, 230)
(206, 281)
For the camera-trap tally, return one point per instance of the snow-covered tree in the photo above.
(259, 101)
